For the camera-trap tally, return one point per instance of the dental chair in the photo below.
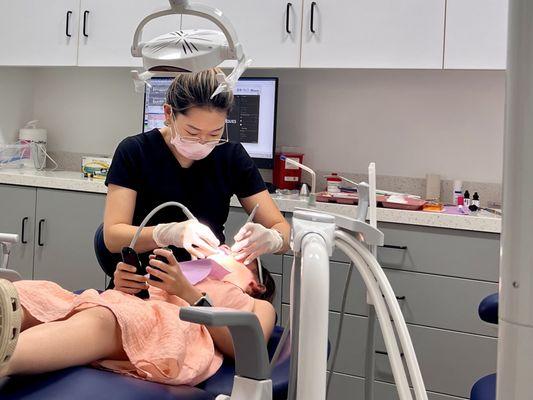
(485, 388)
(80, 383)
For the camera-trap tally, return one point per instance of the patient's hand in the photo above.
(173, 280)
(127, 281)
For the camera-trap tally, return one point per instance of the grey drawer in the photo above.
(356, 302)
(430, 300)
(442, 302)
(450, 362)
(441, 251)
(236, 219)
(344, 387)
(351, 357)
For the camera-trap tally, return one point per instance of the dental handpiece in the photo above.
(130, 256)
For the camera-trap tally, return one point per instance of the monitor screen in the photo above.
(251, 121)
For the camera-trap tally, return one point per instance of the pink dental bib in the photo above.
(197, 270)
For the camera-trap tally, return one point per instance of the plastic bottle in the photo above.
(457, 191)
(334, 183)
(475, 200)
(466, 199)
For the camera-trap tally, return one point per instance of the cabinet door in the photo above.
(268, 30)
(107, 28)
(39, 32)
(18, 216)
(476, 34)
(373, 33)
(65, 226)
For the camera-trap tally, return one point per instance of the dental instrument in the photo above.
(252, 214)
(130, 256)
(312, 193)
(189, 50)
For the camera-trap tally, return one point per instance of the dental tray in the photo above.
(410, 204)
(343, 198)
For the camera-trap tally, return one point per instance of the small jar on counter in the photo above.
(334, 183)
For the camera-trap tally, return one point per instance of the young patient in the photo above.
(122, 333)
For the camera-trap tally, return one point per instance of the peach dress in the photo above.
(160, 347)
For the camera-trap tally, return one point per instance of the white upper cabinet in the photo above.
(107, 28)
(268, 30)
(476, 34)
(373, 33)
(39, 32)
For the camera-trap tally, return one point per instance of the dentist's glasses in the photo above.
(194, 140)
(213, 142)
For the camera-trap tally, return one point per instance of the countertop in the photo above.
(71, 180)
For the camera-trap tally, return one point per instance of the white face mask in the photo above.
(192, 150)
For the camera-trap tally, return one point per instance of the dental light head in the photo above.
(190, 50)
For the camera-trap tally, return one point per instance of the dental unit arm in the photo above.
(315, 234)
(130, 256)
(312, 193)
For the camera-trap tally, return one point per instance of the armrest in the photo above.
(10, 275)
(251, 357)
(6, 241)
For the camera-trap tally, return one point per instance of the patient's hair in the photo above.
(269, 284)
(190, 90)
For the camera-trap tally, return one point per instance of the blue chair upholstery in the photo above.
(82, 383)
(85, 383)
(485, 388)
(105, 258)
(488, 309)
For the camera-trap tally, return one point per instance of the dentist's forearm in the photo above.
(120, 235)
(285, 230)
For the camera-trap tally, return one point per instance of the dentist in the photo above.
(189, 161)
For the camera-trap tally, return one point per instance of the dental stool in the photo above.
(85, 383)
(485, 388)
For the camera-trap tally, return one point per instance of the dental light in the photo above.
(190, 50)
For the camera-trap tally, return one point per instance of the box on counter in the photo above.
(95, 167)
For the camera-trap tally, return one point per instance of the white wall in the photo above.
(409, 122)
(16, 101)
(87, 110)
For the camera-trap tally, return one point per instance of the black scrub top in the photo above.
(145, 163)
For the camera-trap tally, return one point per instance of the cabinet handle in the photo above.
(400, 297)
(23, 233)
(39, 233)
(312, 27)
(390, 246)
(287, 19)
(67, 27)
(384, 353)
(85, 14)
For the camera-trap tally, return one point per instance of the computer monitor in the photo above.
(252, 120)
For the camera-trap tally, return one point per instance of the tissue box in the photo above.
(95, 167)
